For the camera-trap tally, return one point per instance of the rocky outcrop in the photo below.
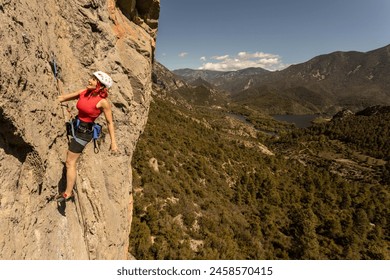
(164, 80)
(343, 114)
(374, 110)
(83, 36)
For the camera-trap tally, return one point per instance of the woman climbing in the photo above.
(92, 101)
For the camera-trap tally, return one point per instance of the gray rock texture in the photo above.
(83, 36)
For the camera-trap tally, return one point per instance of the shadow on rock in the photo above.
(61, 206)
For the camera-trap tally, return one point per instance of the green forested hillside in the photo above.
(216, 195)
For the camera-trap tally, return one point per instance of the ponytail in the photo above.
(100, 90)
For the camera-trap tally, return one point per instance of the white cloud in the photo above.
(222, 57)
(183, 54)
(244, 60)
(203, 58)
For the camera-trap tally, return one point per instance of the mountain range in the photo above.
(325, 84)
(216, 179)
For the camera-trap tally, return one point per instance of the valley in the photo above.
(219, 188)
(217, 177)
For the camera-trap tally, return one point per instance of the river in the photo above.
(300, 121)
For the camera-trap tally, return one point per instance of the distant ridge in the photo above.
(213, 77)
(324, 84)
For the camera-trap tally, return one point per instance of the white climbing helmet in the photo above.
(103, 78)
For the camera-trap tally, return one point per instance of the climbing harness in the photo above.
(74, 125)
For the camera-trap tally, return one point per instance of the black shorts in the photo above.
(83, 134)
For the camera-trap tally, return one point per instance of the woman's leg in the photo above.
(71, 171)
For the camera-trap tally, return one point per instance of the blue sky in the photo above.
(273, 34)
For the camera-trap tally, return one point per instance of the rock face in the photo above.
(83, 36)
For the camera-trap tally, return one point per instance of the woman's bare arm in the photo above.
(70, 96)
(105, 106)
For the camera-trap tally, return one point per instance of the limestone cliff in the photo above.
(83, 36)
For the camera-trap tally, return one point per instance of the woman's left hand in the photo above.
(114, 148)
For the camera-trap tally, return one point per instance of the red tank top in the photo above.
(87, 107)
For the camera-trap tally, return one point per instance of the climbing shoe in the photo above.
(63, 197)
